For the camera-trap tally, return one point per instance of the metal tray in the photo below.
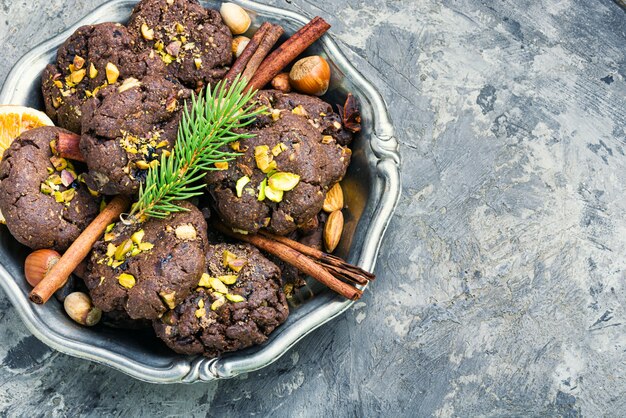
(372, 188)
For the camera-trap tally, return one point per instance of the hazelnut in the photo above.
(235, 17)
(239, 44)
(310, 75)
(38, 264)
(79, 307)
(281, 82)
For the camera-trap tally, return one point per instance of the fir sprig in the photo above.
(209, 125)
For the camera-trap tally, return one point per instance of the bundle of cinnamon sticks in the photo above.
(255, 65)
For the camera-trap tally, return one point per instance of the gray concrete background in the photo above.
(501, 279)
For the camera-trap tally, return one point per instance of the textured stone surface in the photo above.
(500, 285)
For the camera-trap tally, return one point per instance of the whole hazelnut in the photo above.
(281, 82)
(310, 75)
(38, 264)
(79, 307)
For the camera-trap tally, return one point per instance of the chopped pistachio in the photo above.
(264, 161)
(205, 280)
(262, 187)
(200, 312)
(111, 249)
(201, 303)
(128, 84)
(45, 188)
(241, 183)
(228, 278)
(179, 28)
(217, 303)
(237, 264)
(236, 146)
(154, 164)
(283, 181)
(109, 236)
(125, 247)
(337, 125)
(299, 110)
(145, 246)
(93, 73)
(77, 76)
(218, 285)
(59, 163)
(273, 195)
(135, 251)
(227, 257)
(278, 148)
(110, 227)
(58, 83)
(78, 62)
(142, 164)
(221, 165)
(327, 139)
(169, 299)
(138, 236)
(116, 264)
(275, 114)
(146, 32)
(235, 298)
(94, 193)
(112, 72)
(198, 63)
(126, 280)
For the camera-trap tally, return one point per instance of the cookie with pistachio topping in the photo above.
(41, 196)
(193, 42)
(148, 268)
(237, 304)
(126, 129)
(280, 179)
(91, 58)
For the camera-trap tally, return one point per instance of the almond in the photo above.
(334, 199)
(333, 230)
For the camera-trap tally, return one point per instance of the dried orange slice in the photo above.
(16, 119)
(13, 121)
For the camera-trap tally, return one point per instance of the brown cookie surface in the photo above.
(80, 69)
(293, 142)
(126, 128)
(146, 279)
(43, 206)
(193, 42)
(209, 323)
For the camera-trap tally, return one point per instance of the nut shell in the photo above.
(79, 307)
(281, 82)
(239, 44)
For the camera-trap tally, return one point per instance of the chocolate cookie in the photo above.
(149, 268)
(80, 70)
(238, 311)
(126, 128)
(44, 203)
(288, 142)
(192, 41)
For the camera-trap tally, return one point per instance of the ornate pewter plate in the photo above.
(372, 188)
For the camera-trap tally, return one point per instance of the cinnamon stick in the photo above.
(298, 260)
(287, 52)
(269, 39)
(58, 274)
(331, 262)
(240, 63)
(68, 146)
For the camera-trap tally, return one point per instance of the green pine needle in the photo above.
(210, 125)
